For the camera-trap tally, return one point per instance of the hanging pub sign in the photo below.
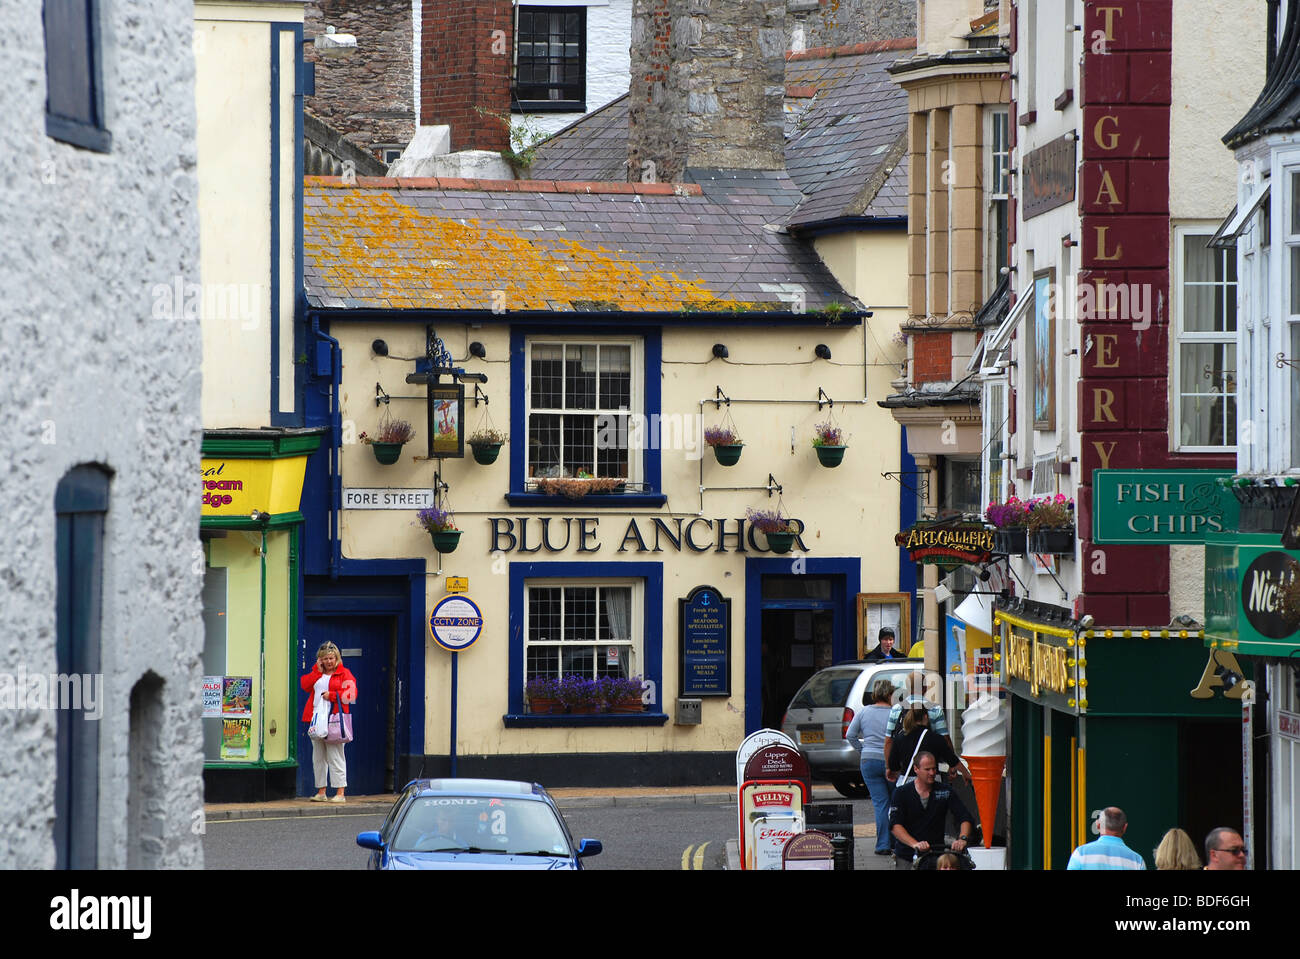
(705, 643)
(446, 420)
(949, 544)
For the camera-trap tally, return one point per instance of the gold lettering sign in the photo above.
(1042, 665)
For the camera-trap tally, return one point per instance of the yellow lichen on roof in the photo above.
(382, 248)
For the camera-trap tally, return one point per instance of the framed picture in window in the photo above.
(876, 610)
(447, 420)
(1044, 393)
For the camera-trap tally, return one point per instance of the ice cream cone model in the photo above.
(984, 748)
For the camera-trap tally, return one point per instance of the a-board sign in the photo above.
(779, 761)
(704, 637)
(770, 813)
(455, 623)
(753, 743)
(808, 850)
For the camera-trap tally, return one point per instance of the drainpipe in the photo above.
(336, 438)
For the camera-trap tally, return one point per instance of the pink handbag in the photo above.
(340, 726)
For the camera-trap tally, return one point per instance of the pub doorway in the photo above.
(798, 632)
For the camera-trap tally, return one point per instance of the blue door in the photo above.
(367, 645)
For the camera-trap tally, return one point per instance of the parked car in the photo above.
(474, 824)
(821, 711)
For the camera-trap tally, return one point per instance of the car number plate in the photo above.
(812, 736)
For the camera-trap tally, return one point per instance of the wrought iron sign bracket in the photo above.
(923, 492)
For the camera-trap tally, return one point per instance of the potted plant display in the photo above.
(1008, 520)
(543, 695)
(828, 441)
(486, 444)
(726, 444)
(621, 694)
(576, 487)
(387, 445)
(778, 529)
(441, 525)
(579, 695)
(1050, 521)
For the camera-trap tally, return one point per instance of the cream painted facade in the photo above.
(850, 513)
(240, 287)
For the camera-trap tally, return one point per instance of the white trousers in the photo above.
(328, 757)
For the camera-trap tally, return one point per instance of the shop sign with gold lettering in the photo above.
(1040, 667)
(949, 544)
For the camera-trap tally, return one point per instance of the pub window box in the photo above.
(582, 419)
(1057, 541)
(1010, 541)
(1009, 522)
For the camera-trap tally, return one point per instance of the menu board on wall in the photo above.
(705, 643)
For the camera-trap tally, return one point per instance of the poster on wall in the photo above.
(1044, 395)
(237, 696)
(212, 697)
(236, 737)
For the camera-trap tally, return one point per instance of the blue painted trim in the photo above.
(652, 659)
(845, 590)
(294, 416)
(652, 391)
(587, 321)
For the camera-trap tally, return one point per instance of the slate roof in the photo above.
(845, 145)
(1278, 106)
(450, 244)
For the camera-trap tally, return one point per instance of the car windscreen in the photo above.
(830, 687)
(481, 823)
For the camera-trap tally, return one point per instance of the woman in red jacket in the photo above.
(330, 682)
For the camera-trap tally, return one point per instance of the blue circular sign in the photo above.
(455, 623)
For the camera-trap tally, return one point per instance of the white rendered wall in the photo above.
(94, 370)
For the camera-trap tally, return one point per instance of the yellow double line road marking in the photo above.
(696, 861)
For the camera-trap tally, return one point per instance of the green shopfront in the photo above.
(1106, 717)
(1252, 607)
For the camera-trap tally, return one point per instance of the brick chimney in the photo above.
(708, 84)
(466, 57)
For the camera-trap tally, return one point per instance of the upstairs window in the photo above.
(551, 59)
(997, 152)
(1205, 366)
(74, 91)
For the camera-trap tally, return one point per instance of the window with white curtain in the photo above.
(1205, 350)
(589, 629)
(579, 396)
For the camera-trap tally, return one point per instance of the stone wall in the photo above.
(369, 95)
(835, 23)
(96, 367)
(708, 86)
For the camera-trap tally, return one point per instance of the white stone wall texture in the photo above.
(88, 374)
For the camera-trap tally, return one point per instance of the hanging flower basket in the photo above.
(830, 456)
(387, 453)
(828, 443)
(778, 529)
(393, 435)
(486, 444)
(726, 444)
(446, 541)
(485, 454)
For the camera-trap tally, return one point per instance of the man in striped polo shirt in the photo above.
(1108, 852)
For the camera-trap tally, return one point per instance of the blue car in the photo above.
(474, 824)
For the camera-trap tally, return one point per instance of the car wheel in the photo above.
(850, 788)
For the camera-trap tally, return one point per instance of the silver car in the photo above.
(821, 711)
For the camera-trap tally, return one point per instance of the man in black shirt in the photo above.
(886, 648)
(920, 811)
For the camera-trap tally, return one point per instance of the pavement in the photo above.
(576, 797)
